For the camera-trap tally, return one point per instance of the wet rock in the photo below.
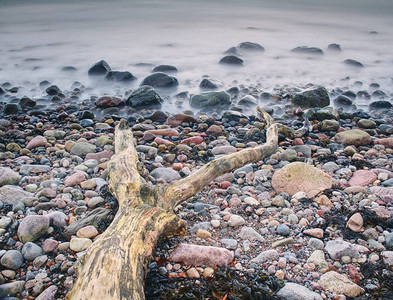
(27, 102)
(108, 101)
(210, 84)
(178, 119)
(248, 101)
(53, 90)
(8, 177)
(144, 96)
(355, 137)
(32, 228)
(193, 273)
(343, 101)
(201, 255)
(100, 68)
(367, 124)
(37, 141)
(381, 104)
(337, 283)
(165, 174)
(250, 46)
(231, 60)
(308, 50)
(11, 109)
(120, 76)
(337, 249)
(330, 125)
(12, 259)
(363, 178)
(313, 97)
(160, 80)
(31, 251)
(353, 63)
(334, 48)
(294, 291)
(298, 176)
(165, 69)
(210, 99)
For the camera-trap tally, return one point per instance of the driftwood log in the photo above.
(114, 266)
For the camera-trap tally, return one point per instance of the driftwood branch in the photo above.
(114, 266)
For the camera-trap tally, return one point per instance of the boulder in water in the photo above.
(100, 68)
(160, 80)
(144, 96)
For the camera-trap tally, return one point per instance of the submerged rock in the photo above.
(312, 97)
(231, 60)
(164, 69)
(100, 68)
(160, 80)
(308, 50)
(210, 99)
(120, 76)
(144, 96)
(353, 63)
(250, 46)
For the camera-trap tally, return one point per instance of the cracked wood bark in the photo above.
(114, 266)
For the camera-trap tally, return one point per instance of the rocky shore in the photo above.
(316, 216)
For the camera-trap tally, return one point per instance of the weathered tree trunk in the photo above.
(114, 266)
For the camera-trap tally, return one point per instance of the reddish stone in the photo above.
(100, 155)
(387, 142)
(177, 166)
(354, 274)
(193, 140)
(161, 141)
(89, 135)
(74, 179)
(148, 136)
(108, 101)
(225, 184)
(182, 157)
(215, 129)
(315, 232)
(297, 141)
(362, 178)
(37, 141)
(49, 245)
(201, 255)
(164, 132)
(382, 212)
(178, 119)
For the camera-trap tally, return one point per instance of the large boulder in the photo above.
(340, 284)
(144, 96)
(312, 97)
(210, 99)
(300, 177)
(100, 68)
(354, 137)
(201, 255)
(11, 194)
(160, 80)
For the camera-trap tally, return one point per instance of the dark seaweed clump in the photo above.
(227, 284)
